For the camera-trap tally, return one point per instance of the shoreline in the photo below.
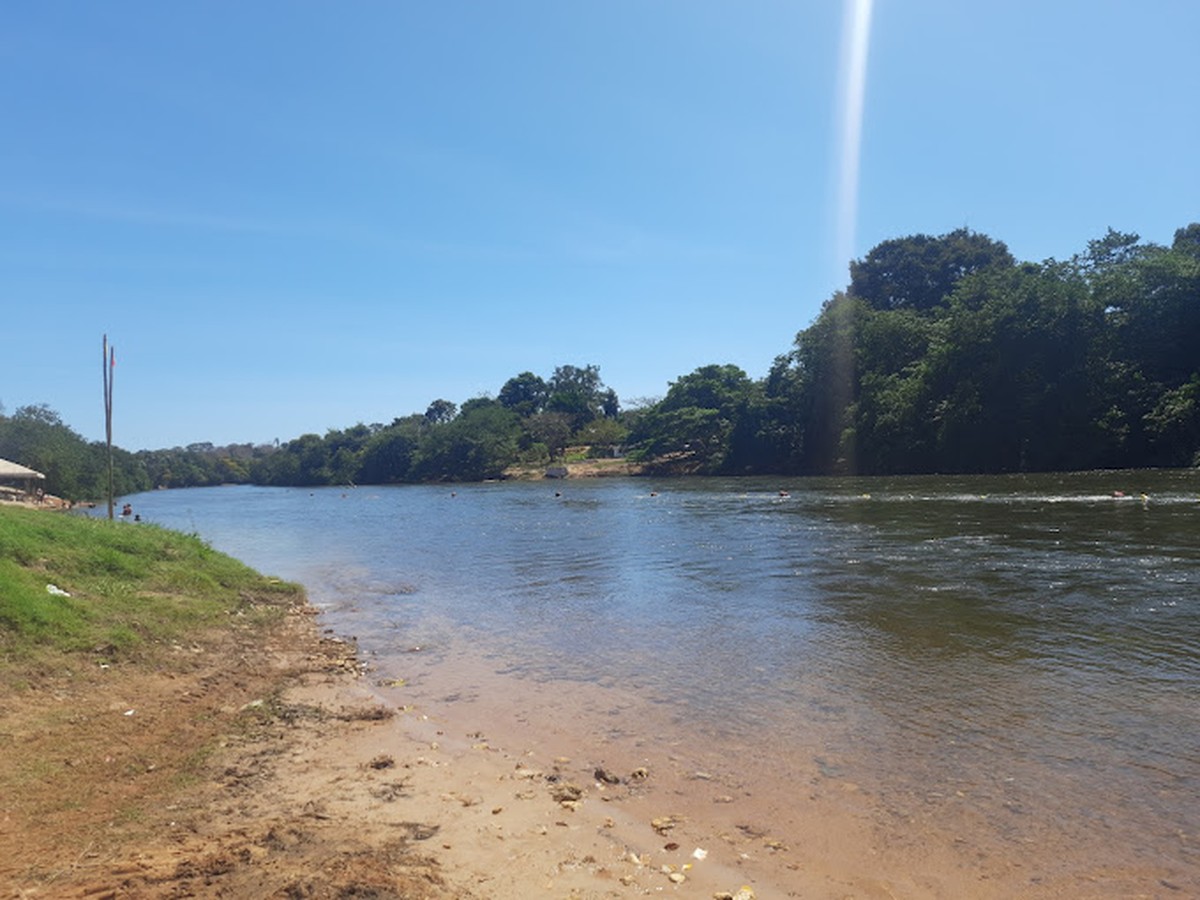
(275, 769)
(274, 766)
(283, 764)
(265, 757)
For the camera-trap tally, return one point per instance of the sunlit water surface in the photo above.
(1031, 643)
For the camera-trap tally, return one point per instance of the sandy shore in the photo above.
(279, 765)
(248, 770)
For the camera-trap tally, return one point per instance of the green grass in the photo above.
(131, 586)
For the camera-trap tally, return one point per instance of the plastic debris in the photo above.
(56, 591)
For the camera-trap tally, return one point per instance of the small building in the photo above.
(18, 482)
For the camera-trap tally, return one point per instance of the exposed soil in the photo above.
(175, 780)
(579, 468)
(265, 765)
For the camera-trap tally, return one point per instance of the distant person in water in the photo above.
(127, 509)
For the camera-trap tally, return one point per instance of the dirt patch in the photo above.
(173, 780)
(583, 468)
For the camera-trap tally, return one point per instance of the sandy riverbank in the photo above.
(244, 770)
(278, 765)
(247, 765)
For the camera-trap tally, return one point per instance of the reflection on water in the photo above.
(1032, 642)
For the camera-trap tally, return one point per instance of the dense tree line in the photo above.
(943, 354)
(532, 420)
(35, 436)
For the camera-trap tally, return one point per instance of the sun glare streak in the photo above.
(856, 34)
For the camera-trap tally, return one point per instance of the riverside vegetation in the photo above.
(943, 354)
(80, 585)
(107, 632)
(143, 677)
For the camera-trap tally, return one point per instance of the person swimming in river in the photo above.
(127, 509)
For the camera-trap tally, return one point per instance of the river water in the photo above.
(1011, 661)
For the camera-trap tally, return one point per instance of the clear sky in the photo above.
(291, 216)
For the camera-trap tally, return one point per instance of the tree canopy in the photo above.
(943, 354)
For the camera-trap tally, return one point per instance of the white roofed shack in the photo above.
(22, 477)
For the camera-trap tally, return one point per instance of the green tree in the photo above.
(440, 412)
(919, 272)
(578, 393)
(697, 418)
(524, 394)
(388, 455)
(1011, 385)
(890, 428)
(602, 436)
(35, 436)
(552, 430)
(477, 445)
(827, 380)
(1151, 299)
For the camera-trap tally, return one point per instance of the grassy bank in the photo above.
(70, 584)
(130, 658)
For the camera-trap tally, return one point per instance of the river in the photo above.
(1005, 664)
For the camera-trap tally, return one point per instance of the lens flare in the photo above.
(856, 34)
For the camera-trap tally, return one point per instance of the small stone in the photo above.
(567, 791)
(663, 824)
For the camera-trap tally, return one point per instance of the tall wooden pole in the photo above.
(108, 362)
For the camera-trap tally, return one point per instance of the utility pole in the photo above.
(108, 361)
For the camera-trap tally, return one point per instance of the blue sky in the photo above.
(293, 216)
